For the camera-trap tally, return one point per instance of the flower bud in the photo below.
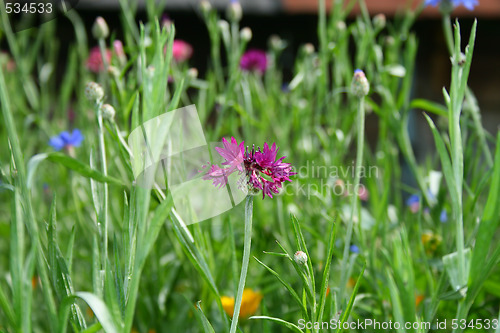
(309, 48)
(192, 73)
(108, 112)
(234, 11)
(94, 92)
(114, 71)
(166, 23)
(276, 43)
(300, 258)
(246, 34)
(120, 53)
(223, 25)
(379, 21)
(341, 26)
(205, 6)
(359, 85)
(100, 28)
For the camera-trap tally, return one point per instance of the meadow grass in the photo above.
(87, 248)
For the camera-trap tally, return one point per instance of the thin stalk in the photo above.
(246, 258)
(354, 202)
(104, 211)
(448, 34)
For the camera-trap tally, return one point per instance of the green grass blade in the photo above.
(100, 310)
(282, 322)
(81, 168)
(347, 311)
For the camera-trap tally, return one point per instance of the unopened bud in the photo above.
(100, 28)
(94, 92)
(246, 34)
(309, 48)
(192, 73)
(205, 6)
(120, 53)
(341, 25)
(360, 85)
(223, 25)
(234, 11)
(300, 258)
(379, 21)
(276, 43)
(113, 71)
(108, 112)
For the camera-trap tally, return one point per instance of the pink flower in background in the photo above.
(119, 52)
(7, 62)
(363, 193)
(254, 60)
(262, 170)
(94, 62)
(181, 50)
(118, 48)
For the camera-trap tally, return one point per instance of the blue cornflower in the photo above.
(469, 4)
(414, 203)
(443, 217)
(66, 140)
(354, 248)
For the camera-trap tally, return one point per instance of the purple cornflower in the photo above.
(261, 168)
(354, 248)
(254, 60)
(469, 4)
(66, 140)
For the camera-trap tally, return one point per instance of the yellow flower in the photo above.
(249, 304)
(430, 241)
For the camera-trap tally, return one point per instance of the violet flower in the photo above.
(260, 167)
(66, 140)
(469, 4)
(254, 60)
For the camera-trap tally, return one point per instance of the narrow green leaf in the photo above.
(282, 322)
(429, 106)
(287, 286)
(489, 223)
(326, 272)
(100, 310)
(207, 327)
(82, 168)
(348, 310)
(445, 161)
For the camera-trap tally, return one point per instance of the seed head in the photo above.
(108, 112)
(94, 92)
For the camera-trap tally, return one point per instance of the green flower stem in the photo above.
(103, 218)
(354, 202)
(448, 34)
(469, 96)
(246, 259)
(105, 64)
